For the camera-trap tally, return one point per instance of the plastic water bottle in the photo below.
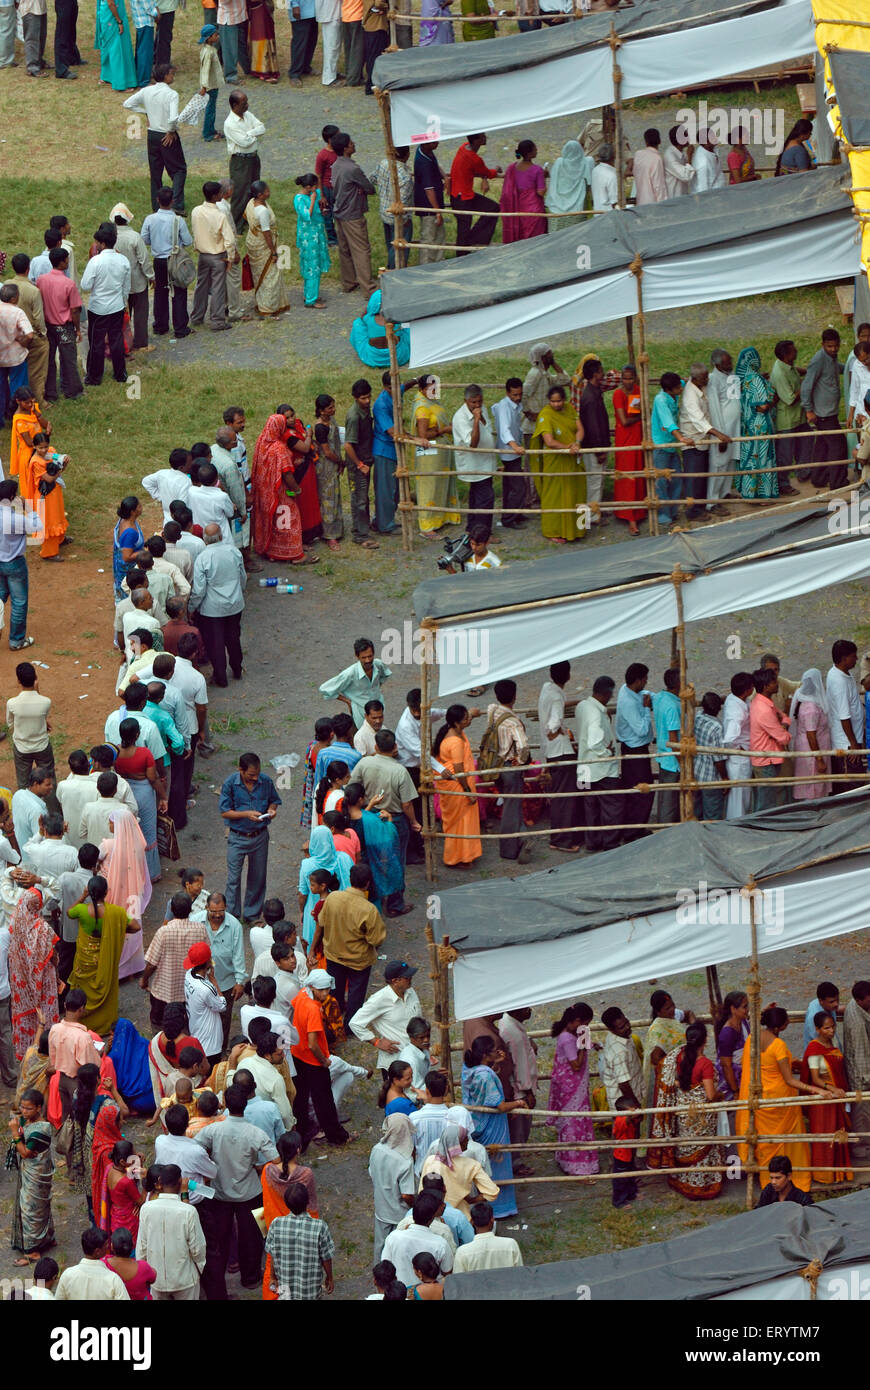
(288, 589)
(271, 583)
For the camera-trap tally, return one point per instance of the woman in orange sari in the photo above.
(629, 432)
(825, 1066)
(27, 422)
(459, 814)
(276, 1178)
(276, 527)
(48, 489)
(777, 1082)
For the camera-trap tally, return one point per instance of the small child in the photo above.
(210, 78)
(184, 1094)
(323, 163)
(321, 882)
(45, 1275)
(625, 1126)
(208, 1110)
(343, 837)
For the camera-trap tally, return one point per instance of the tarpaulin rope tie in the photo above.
(811, 1273)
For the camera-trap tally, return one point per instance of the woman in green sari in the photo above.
(102, 928)
(556, 444)
(756, 418)
(30, 1156)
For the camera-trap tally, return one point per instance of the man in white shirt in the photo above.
(384, 1017)
(524, 1055)
(94, 825)
(472, 431)
(160, 104)
(91, 1280)
(723, 401)
(103, 760)
(242, 131)
(209, 503)
(69, 889)
(49, 853)
(76, 792)
(176, 553)
(736, 734)
(171, 1240)
(649, 171)
(263, 989)
(179, 583)
(27, 717)
(190, 1157)
(409, 753)
(557, 746)
(679, 174)
(364, 738)
(107, 277)
(487, 1250)
(219, 581)
(172, 484)
(507, 415)
(618, 1063)
(29, 804)
(845, 714)
(598, 767)
(604, 181)
(268, 1080)
(232, 479)
(149, 737)
(708, 170)
(402, 1246)
(695, 424)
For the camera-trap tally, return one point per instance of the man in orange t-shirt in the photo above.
(311, 1055)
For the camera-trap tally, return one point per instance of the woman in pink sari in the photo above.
(525, 184)
(32, 976)
(569, 1089)
(811, 731)
(123, 865)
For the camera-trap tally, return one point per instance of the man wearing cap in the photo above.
(384, 1017)
(205, 1003)
(311, 1055)
(351, 929)
(131, 245)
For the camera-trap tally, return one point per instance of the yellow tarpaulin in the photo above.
(855, 37)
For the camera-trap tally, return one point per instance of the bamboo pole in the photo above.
(406, 514)
(709, 1107)
(429, 832)
(398, 227)
(687, 703)
(755, 1091)
(443, 1014)
(615, 44)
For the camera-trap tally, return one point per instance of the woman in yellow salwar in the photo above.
(436, 483)
(261, 244)
(777, 1082)
(459, 814)
(555, 459)
(102, 928)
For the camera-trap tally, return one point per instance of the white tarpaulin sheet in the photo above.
(496, 647)
(820, 250)
(583, 81)
(815, 905)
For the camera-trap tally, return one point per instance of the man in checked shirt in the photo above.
(514, 752)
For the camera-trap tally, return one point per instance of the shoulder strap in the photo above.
(174, 232)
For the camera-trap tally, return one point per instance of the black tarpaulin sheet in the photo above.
(655, 232)
(648, 875)
(851, 73)
(721, 1258)
(653, 557)
(419, 67)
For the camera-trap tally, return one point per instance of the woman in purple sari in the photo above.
(569, 1088)
(435, 33)
(525, 184)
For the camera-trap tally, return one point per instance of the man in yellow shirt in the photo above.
(351, 930)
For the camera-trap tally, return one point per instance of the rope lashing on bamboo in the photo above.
(447, 955)
(811, 1273)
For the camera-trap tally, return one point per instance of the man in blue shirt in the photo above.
(384, 462)
(667, 720)
(633, 727)
(665, 433)
(341, 750)
(158, 231)
(827, 1001)
(248, 802)
(303, 25)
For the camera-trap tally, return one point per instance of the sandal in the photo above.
(333, 545)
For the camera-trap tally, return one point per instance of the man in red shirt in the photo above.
(62, 306)
(311, 1055)
(466, 167)
(769, 733)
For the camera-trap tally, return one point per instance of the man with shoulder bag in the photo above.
(505, 745)
(168, 237)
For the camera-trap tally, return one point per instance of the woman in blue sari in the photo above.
(117, 64)
(368, 337)
(756, 403)
(127, 538)
(481, 1086)
(379, 844)
(322, 855)
(129, 1052)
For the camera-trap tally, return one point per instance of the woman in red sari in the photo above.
(32, 976)
(276, 527)
(261, 36)
(525, 184)
(629, 432)
(301, 443)
(823, 1065)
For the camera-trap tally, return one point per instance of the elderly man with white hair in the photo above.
(219, 581)
(131, 245)
(696, 425)
(723, 401)
(230, 476)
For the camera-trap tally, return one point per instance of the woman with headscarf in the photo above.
(628, 436)
(128, 1052)
(811, 731)
(433, 467)
(32, 976)
(261, 245)
(458, 1115)
(525, 184)
(368, 337)
(124, 866)
(391, 1169)
(103, 927)
(299, 439)
(756, 400)
(276, 526)
(555, 456)
(462, 1176)
(322, 854)
(569, 180)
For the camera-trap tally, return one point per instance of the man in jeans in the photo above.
(17, 522)
(351, 191)
(249, 803)
(62, 306)
(158, 231)
(359, 448)
(666, 432)
(107, 276)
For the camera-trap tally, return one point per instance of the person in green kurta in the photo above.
(310, 239)
(556, 458)
(117, 64)
(102, 928)
(470, 32)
